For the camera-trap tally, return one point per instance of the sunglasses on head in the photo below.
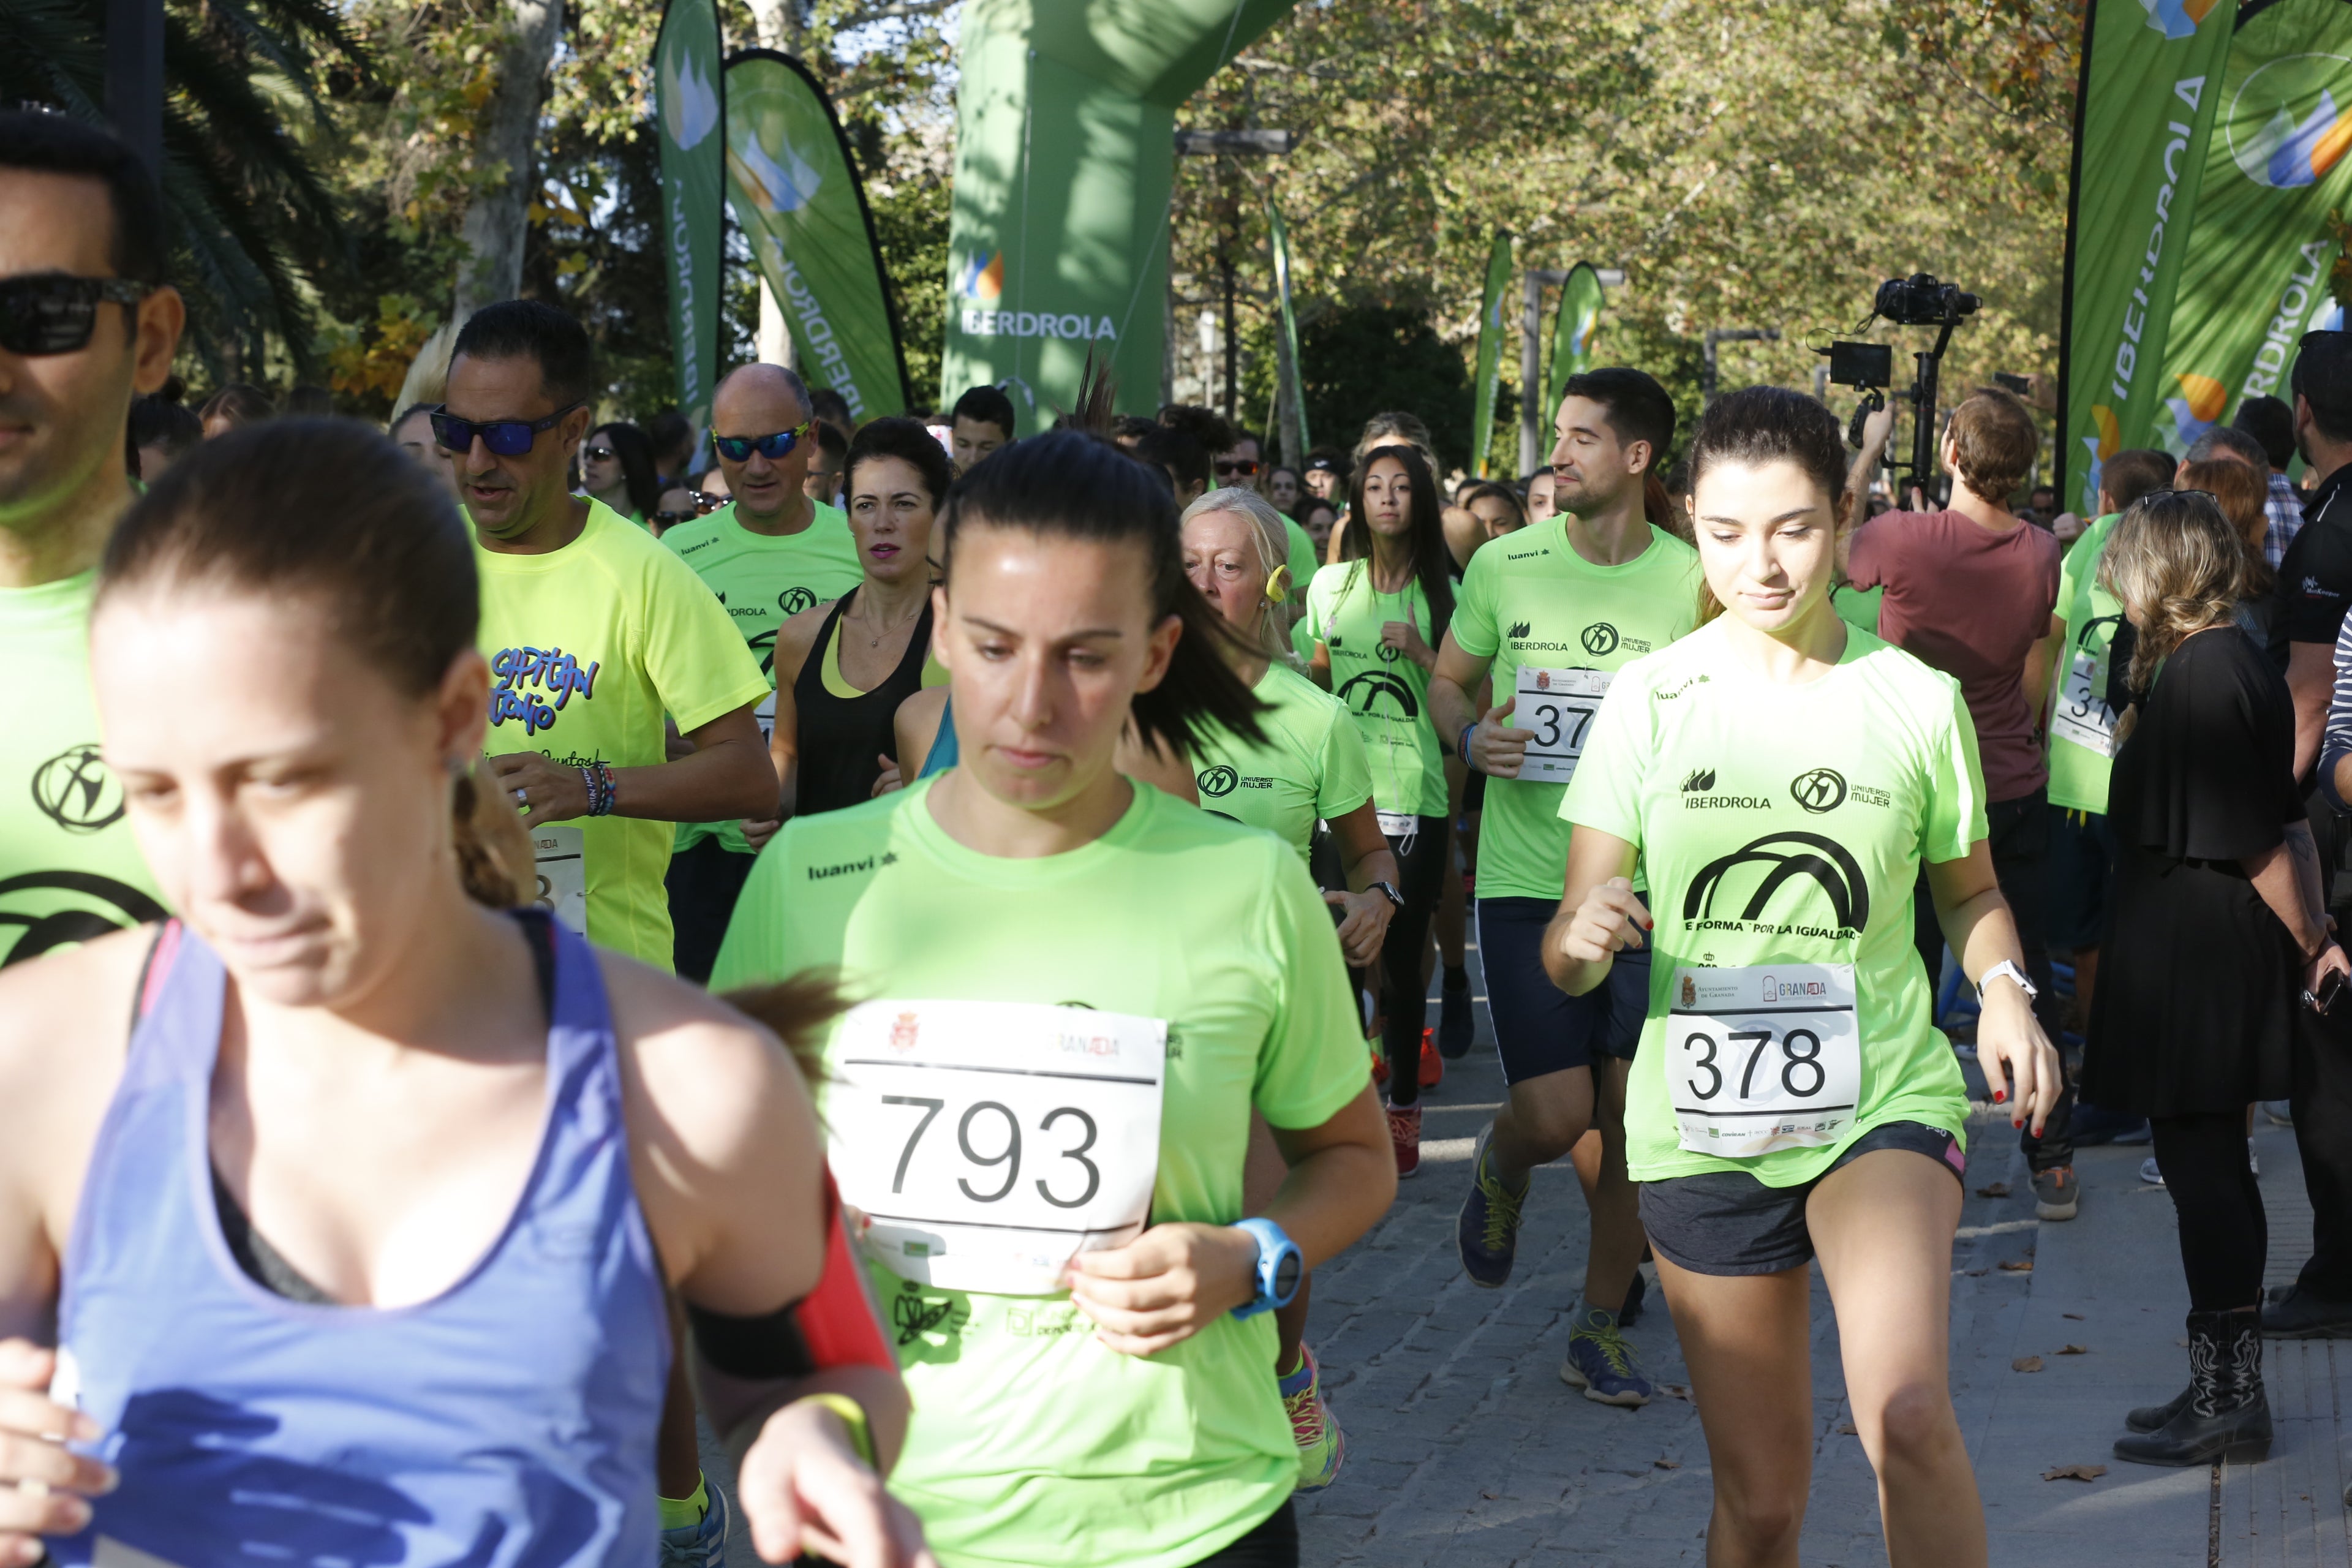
(51, 313)
(1244, 467)
(504, 438)
(774, 448)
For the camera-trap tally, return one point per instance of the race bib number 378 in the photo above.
(989, 1143)
(1762, 1057)
(1555, 708)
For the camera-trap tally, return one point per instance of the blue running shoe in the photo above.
(1601, 1364)
(700, 1545)
(1488, 1229)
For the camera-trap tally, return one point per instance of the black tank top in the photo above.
(843, 739)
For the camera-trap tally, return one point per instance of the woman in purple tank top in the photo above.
(342, 1222)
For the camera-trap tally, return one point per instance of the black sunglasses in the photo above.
(53, 313)
(506, 437)
(598, 454)
(1246, 467)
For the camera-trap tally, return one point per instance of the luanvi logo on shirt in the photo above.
(1819, 790)
(845, 868)
(1217, 781)
(549, 669)
(1671, 692)
(75, 790)
(1783, 858)
(1376, 692)
(1599, 640)
(1519, 629)
(1702, 778)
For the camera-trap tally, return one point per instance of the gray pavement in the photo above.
(1465, 1448)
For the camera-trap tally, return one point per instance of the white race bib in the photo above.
(1397, 823)
(1555, 707)
(766, 714)
(989, 1143)
(1763, 1057)
(2082, 715)
(560, 856)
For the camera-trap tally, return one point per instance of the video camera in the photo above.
(1919, 301)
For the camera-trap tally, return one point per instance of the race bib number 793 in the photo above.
(989, 1143)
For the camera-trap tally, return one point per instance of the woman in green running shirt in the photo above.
(1780, 774)
(1072, 992)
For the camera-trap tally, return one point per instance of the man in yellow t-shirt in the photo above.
(593, 632)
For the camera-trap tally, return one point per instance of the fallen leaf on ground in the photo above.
(1676, 1390)
(2075, 1473)
(1849, 1429)
(2017, 1265)
(2026, 1364)
(1667, 1464)
(1490, 1496)
(2074, 1350)
(2076, 1316)
(1975, 1273)
(1997, 1190)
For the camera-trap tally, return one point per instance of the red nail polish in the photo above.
(2000, 1095)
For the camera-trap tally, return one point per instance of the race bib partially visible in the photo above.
(560, 856)
(1763, 1057)
(989, 1143)
(2082, 715)
(766, 714)
(1397, 823)
(1555, 707)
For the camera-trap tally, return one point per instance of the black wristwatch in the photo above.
(1393, 896)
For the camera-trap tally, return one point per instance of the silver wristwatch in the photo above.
(2008, 967)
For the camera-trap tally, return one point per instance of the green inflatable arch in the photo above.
(1065, 120)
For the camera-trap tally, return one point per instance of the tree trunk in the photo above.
(497, 219)
(778, 23)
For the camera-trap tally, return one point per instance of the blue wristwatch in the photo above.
(1279, 1268)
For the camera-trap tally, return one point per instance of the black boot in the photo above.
(2227, 1415)
(2149, 1418)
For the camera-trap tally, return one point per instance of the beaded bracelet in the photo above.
(608, 794)
(588, 784)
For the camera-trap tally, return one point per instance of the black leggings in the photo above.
(1274, 1545)
(2224, 1234)
(1423, 857)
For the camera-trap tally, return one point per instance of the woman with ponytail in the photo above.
(1072, 992)
(354, 1187)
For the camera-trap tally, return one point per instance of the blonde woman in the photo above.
(2219, 924)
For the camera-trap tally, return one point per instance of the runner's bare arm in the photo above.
(916, 726)
(1599, 916)
(1365, 857)
(727, 774)
(1496, 749)
(795, 639)
(2019, 1065)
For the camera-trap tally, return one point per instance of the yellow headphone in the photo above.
(1277, 586)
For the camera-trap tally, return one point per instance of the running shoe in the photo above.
(2057, 1193)
(1488, 1228)
(2253, 1165)
(1322, 1447)
(2149, 1173)
(1432, 1066)
(2280, 1112)
(1456, 1025)
(1600, 1363)
(702, 1545)
(1404, 1134)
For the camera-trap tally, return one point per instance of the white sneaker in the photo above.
(2253, 1163)
(2149, 1173)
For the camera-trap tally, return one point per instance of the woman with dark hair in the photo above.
(844, 668)
(1079, 990)
(617, 467)
(234, 406)
(1378, 618)
(355, 1188)
(2214, 862)
(1790, 1097)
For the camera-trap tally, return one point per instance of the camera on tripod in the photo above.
(1921, 300)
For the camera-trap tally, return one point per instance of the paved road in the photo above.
(1465, 1448)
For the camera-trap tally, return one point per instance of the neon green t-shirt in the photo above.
(2078, 772)
(1859, 607)
(1785, 825)
(1033, 1443)
(588, 646)
(1529, 599)
(69, 870)
(1385, 692)
(764, 581)
(1311, 766)
(1303, 563)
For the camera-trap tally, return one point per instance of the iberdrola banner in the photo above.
(1490, 349)
(1278, 241)
(2255, 279)
(2151, 86)
(1571, 335)
(687, 107)
(797, 196)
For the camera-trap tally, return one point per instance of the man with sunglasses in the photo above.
(86, 323)
(1244, 465)
(771, 552)
(593, 632)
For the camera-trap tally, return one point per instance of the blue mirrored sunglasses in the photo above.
(504, 438)
(738, 449)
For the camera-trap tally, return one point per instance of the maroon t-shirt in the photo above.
(1972, 602)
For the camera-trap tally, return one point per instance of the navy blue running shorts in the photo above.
(1538, 1027)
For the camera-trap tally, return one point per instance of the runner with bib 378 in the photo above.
(1073, 991)
(1779, 775)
